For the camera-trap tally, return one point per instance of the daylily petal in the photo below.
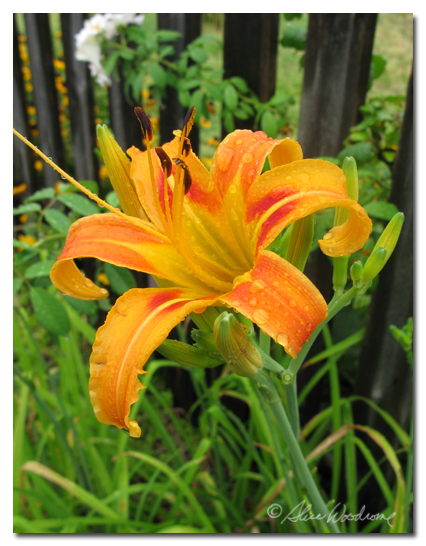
(114, 240)
(287, 193)
(138, 323)
(238, 161)
(118, 167)
(280, 299)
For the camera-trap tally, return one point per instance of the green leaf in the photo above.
(58, 220)
(121, 279)
(50, 311)
(240, 84)
(39, 269)
(198, 55)
(111, 61)
(381, 210)
(361, 151)
(45, 193)
(90, 185)
(112, 199)
(24, 209)
(78, 203)
(228, 121)
(17, 283)
(377, 67)
(268, 124)
(82, 306)
(21, 244)
(295, 36)
(166, 35)
(158, 74)
(230, 97)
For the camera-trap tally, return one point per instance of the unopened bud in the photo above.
(383, 248)
(185, 354)
(351, 173)
(233, 344)
(300, 243)
(374, 264)
(356, 271)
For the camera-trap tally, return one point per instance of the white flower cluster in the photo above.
(88, 40)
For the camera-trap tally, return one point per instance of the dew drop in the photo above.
(238, 142)
(248, 157)
(260, 316)
(292, 303)
(275, 283)
(331, 250)
(253, 302)
(232, 188)
(361, 213)
(224, 157)
(328, 236)
(282, 339)
(306, 308)
(257, 285)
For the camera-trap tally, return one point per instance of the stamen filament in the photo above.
(91, 195)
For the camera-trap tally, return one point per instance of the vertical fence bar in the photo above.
(23, 172)
(81, 101)
(45, 96)
(250, 51)
(337, 69)
(172, 114)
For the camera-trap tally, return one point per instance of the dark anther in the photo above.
(187, 178)
(186, 147)
(145, 122)
(166, 163)
(188, 122)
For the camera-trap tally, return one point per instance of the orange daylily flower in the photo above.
(203, 235)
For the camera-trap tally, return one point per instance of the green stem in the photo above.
(271, 397)
(293, 407)
(335, 305)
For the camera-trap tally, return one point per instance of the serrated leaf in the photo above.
(120, 279)
(39, 269)
(268, 124)
(58, 220)
(230, 97)
(381, 210)
(78, 203)
(45, 193)
(50, 311)
(24, 209)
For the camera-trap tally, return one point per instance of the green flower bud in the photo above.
(233, 344)
(185, 354)
(383, 248)
(205, 320)
(356, 271)
(300, 243)
(206, 342)
(374, 264)
(390, 235)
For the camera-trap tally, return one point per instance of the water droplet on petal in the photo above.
(232, 188)
(282, 339)
(331, 250)
(248, 157)
(328, 236)
(238, 142)
(275, 283)
(253, 302)
(260, 316)
(224, 156)
(292, 303)
(306, 308)
(257, 285)
(362, 213)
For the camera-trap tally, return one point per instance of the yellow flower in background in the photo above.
(213, 142)
(29, 239)
(58, 64)
(23, 218)
(103, 279)
(145, 93)
(103, 173)
(38, 165)
(19, 189)
(206, 123)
